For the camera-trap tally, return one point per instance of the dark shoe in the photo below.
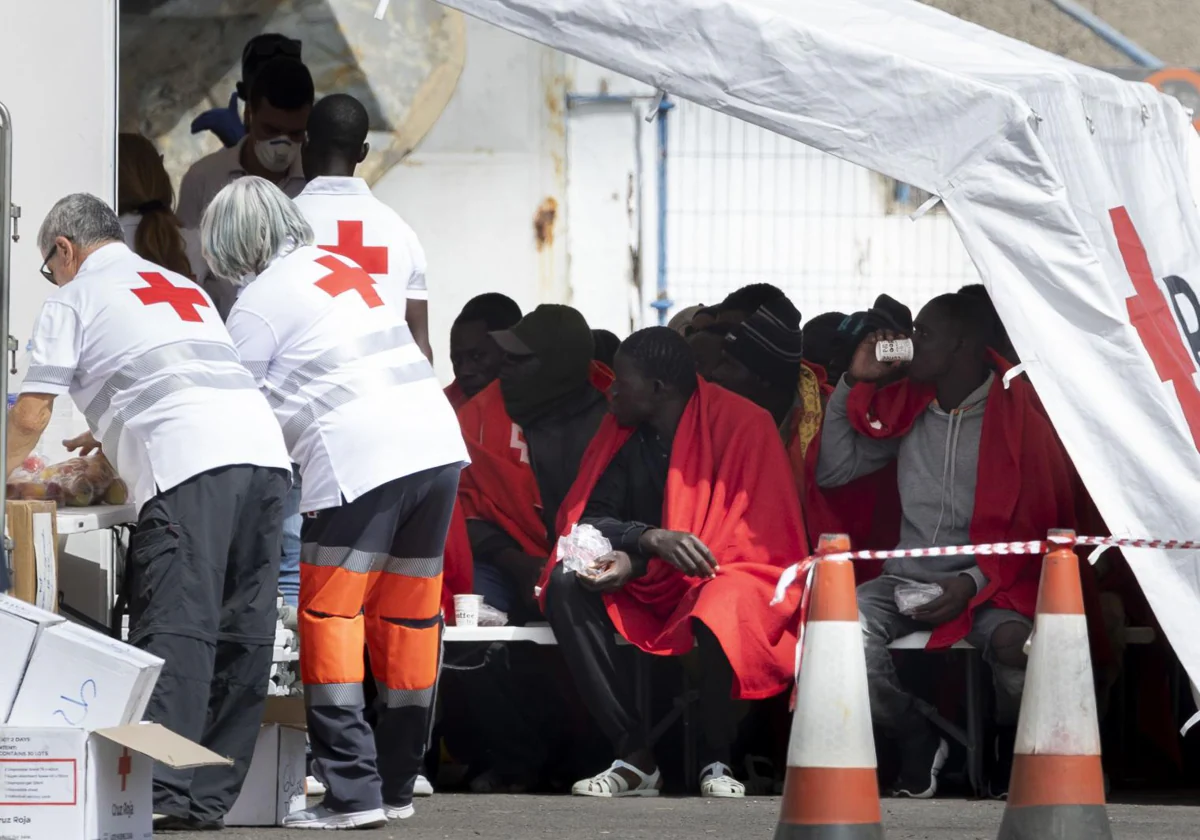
(1003, 746)
(921, 759)
(165, 822)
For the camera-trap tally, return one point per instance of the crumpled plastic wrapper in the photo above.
(910, 597)
(579, 550)
(489, 616)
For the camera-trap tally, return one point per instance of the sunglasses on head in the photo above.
(273, 48)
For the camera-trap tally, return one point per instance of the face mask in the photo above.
(276, 154)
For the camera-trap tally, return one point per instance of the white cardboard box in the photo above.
(62, 783)
(80, 678)
(20, 625)
(274, 785)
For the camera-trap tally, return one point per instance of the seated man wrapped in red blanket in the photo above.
(526, 434)
(978, 462)
(690, 485)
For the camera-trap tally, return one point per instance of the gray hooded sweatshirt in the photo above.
(937, 466)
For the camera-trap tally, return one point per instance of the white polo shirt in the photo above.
(358, 402)
(143, 354)
(212, 173)
(348, 220)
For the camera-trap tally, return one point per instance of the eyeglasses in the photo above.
(45, 269)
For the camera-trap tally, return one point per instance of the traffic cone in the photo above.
(1057, 786)
(831, 792)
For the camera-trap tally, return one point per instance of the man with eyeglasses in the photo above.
(144, 356)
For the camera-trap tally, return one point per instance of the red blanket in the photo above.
(728, 484)
(455, 394)
(1025, 485)
(499, 485)
(458, 565)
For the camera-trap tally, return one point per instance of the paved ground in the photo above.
(451, 817)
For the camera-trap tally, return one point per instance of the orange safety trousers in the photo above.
(395, 615)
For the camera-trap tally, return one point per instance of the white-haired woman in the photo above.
(379, 451)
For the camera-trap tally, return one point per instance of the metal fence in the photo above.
(745, 205)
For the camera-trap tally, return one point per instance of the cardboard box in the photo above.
(80, 678)
(61, 783)
(33, 527)
(20, 626)
(274, 785)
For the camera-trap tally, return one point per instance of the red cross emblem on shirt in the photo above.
(124, 766)
(1150, 315)
(180, 298)
(348, 278)
(372, 258)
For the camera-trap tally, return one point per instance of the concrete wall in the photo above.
(491, 167)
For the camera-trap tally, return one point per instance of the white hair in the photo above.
(248, 225)
(83, 219)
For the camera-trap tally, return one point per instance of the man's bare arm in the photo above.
(28, 419)
(417, 315)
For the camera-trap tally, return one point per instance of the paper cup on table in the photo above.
(466, 610)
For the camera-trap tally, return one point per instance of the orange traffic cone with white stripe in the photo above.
(1057, 786)
(831, 792)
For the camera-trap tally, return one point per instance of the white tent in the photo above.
(1056, 175)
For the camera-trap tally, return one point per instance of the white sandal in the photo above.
(717, 782)
(612, 785)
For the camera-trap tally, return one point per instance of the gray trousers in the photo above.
(894, 710)
(203, 579)
(399, 528)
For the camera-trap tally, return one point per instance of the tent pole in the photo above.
(5, 286)
(1109, 34)
(662, 301)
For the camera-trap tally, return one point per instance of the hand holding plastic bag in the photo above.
(580, 550)
(910, 597)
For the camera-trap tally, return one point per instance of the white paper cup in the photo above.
(466, 610)
(900, 350)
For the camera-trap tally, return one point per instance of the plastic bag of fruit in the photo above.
(76, 482)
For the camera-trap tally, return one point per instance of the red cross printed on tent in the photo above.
(180, 298)
(1150, 314)
(372, 258)
(124, 766)
(348, 278)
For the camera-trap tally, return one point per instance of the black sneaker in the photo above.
(164, 822)
(1002, 753)
(921, 760)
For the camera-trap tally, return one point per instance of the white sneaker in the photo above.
(320, 817)
(313, 787)
(398, 812)
(422, 787)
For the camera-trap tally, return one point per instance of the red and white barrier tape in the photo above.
(790, 574)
